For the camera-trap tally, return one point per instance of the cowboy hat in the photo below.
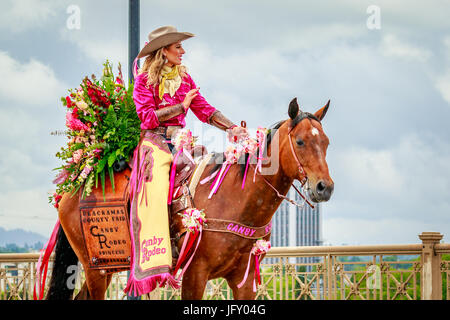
(162, 37)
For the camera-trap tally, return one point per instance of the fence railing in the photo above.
(371, 272)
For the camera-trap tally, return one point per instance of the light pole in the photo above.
(133, 51)
(133, 34)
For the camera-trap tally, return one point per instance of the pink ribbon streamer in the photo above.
(172, 176)
(188, 155)
(245, 173)
(261, 145)
(192, 255)
(210, 177)
(218, 179)
(42, 265)
(246, 274)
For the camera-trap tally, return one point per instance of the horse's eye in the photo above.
(300, 142)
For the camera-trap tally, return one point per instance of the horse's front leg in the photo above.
(245, 292)
(194, 281)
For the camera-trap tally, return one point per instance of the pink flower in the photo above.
(62, 176)
(74, 123)
(86, 171)
(77, 155)
(233, 153)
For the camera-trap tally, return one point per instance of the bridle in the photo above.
(303, 176)
(301, 116)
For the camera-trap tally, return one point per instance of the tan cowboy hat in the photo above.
(162, 37)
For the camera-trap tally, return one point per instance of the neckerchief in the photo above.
(170, 81)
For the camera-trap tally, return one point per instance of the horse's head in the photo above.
(303, 148)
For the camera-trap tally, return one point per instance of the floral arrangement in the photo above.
(183, 139)
(193, 219)
(103, 129)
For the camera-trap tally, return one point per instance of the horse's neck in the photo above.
(267, 199)
(259, 201)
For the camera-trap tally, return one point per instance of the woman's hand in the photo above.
(189, 97)
(237, 133)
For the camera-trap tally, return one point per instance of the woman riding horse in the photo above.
(163, 94)
(296, 149)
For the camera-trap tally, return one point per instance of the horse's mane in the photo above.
(273, 129)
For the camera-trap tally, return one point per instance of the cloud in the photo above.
(98, 48)
(31, 83)
(24, 15)
(29, 94)
(442, 80)
(102, 34)
(443, 85)
(391, 46)
(373, 170)
(406, 182)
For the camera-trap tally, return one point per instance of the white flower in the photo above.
(82, 105)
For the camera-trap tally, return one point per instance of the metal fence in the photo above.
(375, 272)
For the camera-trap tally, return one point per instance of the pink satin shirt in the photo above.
(147, 101)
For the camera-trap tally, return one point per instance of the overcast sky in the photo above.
(388, 80)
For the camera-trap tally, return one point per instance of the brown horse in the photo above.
(296, 148)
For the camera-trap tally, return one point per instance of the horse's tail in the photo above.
(64, 270)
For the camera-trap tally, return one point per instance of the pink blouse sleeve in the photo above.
(145, 103)
(201, 108)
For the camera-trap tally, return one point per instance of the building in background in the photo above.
(293, 226)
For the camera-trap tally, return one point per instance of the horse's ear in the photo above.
(320, 114)
(293, 108)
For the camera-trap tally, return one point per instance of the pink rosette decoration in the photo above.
(183, 139)
(193, 220)
(260, 247)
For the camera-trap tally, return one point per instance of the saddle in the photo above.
(188, 172)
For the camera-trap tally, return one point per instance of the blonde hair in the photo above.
(153, 66)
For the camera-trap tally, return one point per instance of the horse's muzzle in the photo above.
(322, 191)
